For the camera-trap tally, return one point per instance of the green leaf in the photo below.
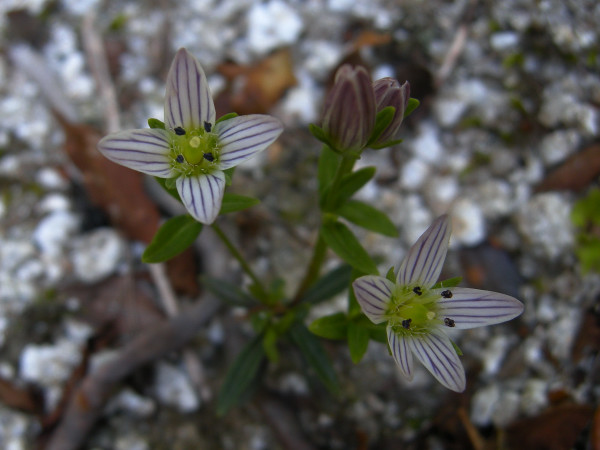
(358, 341)
(171, 191)
(234, 202)
(341, 240)
(456, 348)
(383, 119)
(449, 283)
(229, 175)
(155, 123)
(330, 327)
(269, 344)
(413, 104)
(328, 164)
(367, 217)
(349, 185)
(390, 275)
(226, 117)
(228, 292)
(329, 285)
(386, 144)
(315, 356)
(241, 375)
(173, 237)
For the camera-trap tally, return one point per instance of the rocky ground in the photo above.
(506, 140)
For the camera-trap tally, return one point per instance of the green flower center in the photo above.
(413, 309)
(194, 151)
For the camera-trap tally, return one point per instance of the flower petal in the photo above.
(188, 101)
(242, 137)
(470, 308)
(202, 195)
(145, 150)
(436, 353)
(401, 353)
(423, 264)
(373, 294)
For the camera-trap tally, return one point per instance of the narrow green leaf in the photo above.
(329, 285)
(269, 344)
(164, 182)
(315, 355)
(331, 327)
(173, 237)
(348, 186)
(358, 341)
(228, 292)
(328, 164)
(319, 134)
(413, 104)
(367, 217)
(341, 240)
(449, 283)
(155, 123)
(234, 202)
(382, 121)
(386, 144)
(241, 375)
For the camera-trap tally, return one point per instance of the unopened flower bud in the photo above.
(389, 92)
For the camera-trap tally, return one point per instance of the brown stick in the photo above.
(88, 399)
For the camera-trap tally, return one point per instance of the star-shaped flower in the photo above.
(417, 313)
(192, 148)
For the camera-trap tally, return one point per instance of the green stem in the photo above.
(320, 250)
(237, 255)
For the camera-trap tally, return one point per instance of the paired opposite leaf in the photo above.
(241, 375)
(348, 186)
(328, 285)
(235, 202)
(328, 164)
(334, 326)
(367, 217)
(358, 340)
(173, 237)
(341, 240)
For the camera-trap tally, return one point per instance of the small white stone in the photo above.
(294, 383)
(49, 365)
(173, 388)
(494, 354)
(129, 401)
(449, 110)
(97, 254)
(504, 40)
(50, 178)
(483, 404)
(54, 202)
(534, 397)
(427, 145)
(507, 409)
(54, 231)
(494, 197)
(440, 191)
(413, 174)
(271, 25)
(557, 146)
(468, 223)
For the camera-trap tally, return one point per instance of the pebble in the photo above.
(54, 231)
(468, 223)
(173, 388)
(272, 24)
(97, 254)
(129, 401)
(557, 146)
(426, 144)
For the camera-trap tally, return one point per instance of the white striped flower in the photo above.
(417, 313)
(192, 148)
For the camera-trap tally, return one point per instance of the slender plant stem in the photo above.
(320, 249)
(237, 255)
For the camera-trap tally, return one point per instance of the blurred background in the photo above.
(505, 139)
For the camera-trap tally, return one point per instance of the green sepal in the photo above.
(171, 191)
(155, 123)
(229, 176)
(383, 119)
(358, 341)
(343, 242)
(171, 184)
(172, 238)
(349, 185)
(234, 202)
(241, 376)
(386, 144)
(230, 293)
(329, 285)
(331, 327)
(320, 135)
(367, 217)
(313, 352)
(449, 283)
(227, 116)
(413, 104)
(354, 309)
(329, 162)
(456, 348)
(391, 275)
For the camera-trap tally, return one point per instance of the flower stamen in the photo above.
(179, 131)
(447, 294)
(417, 290)
(449, 322)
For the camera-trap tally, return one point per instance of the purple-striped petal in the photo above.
(188, 101)
(373, 294)
(401, 353)
(243, 137)
(436, 353)
(142, 150)
(470, 308)
(423, 264)
(202, 195)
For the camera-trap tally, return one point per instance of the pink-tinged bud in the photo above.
(389, 92)
(349, 111)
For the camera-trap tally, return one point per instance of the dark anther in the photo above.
(447, 294)
(417, 290)
(406, 323)
(179, 131)
(179, 158)
(207, 127)
(449, 322)
(209, 157)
